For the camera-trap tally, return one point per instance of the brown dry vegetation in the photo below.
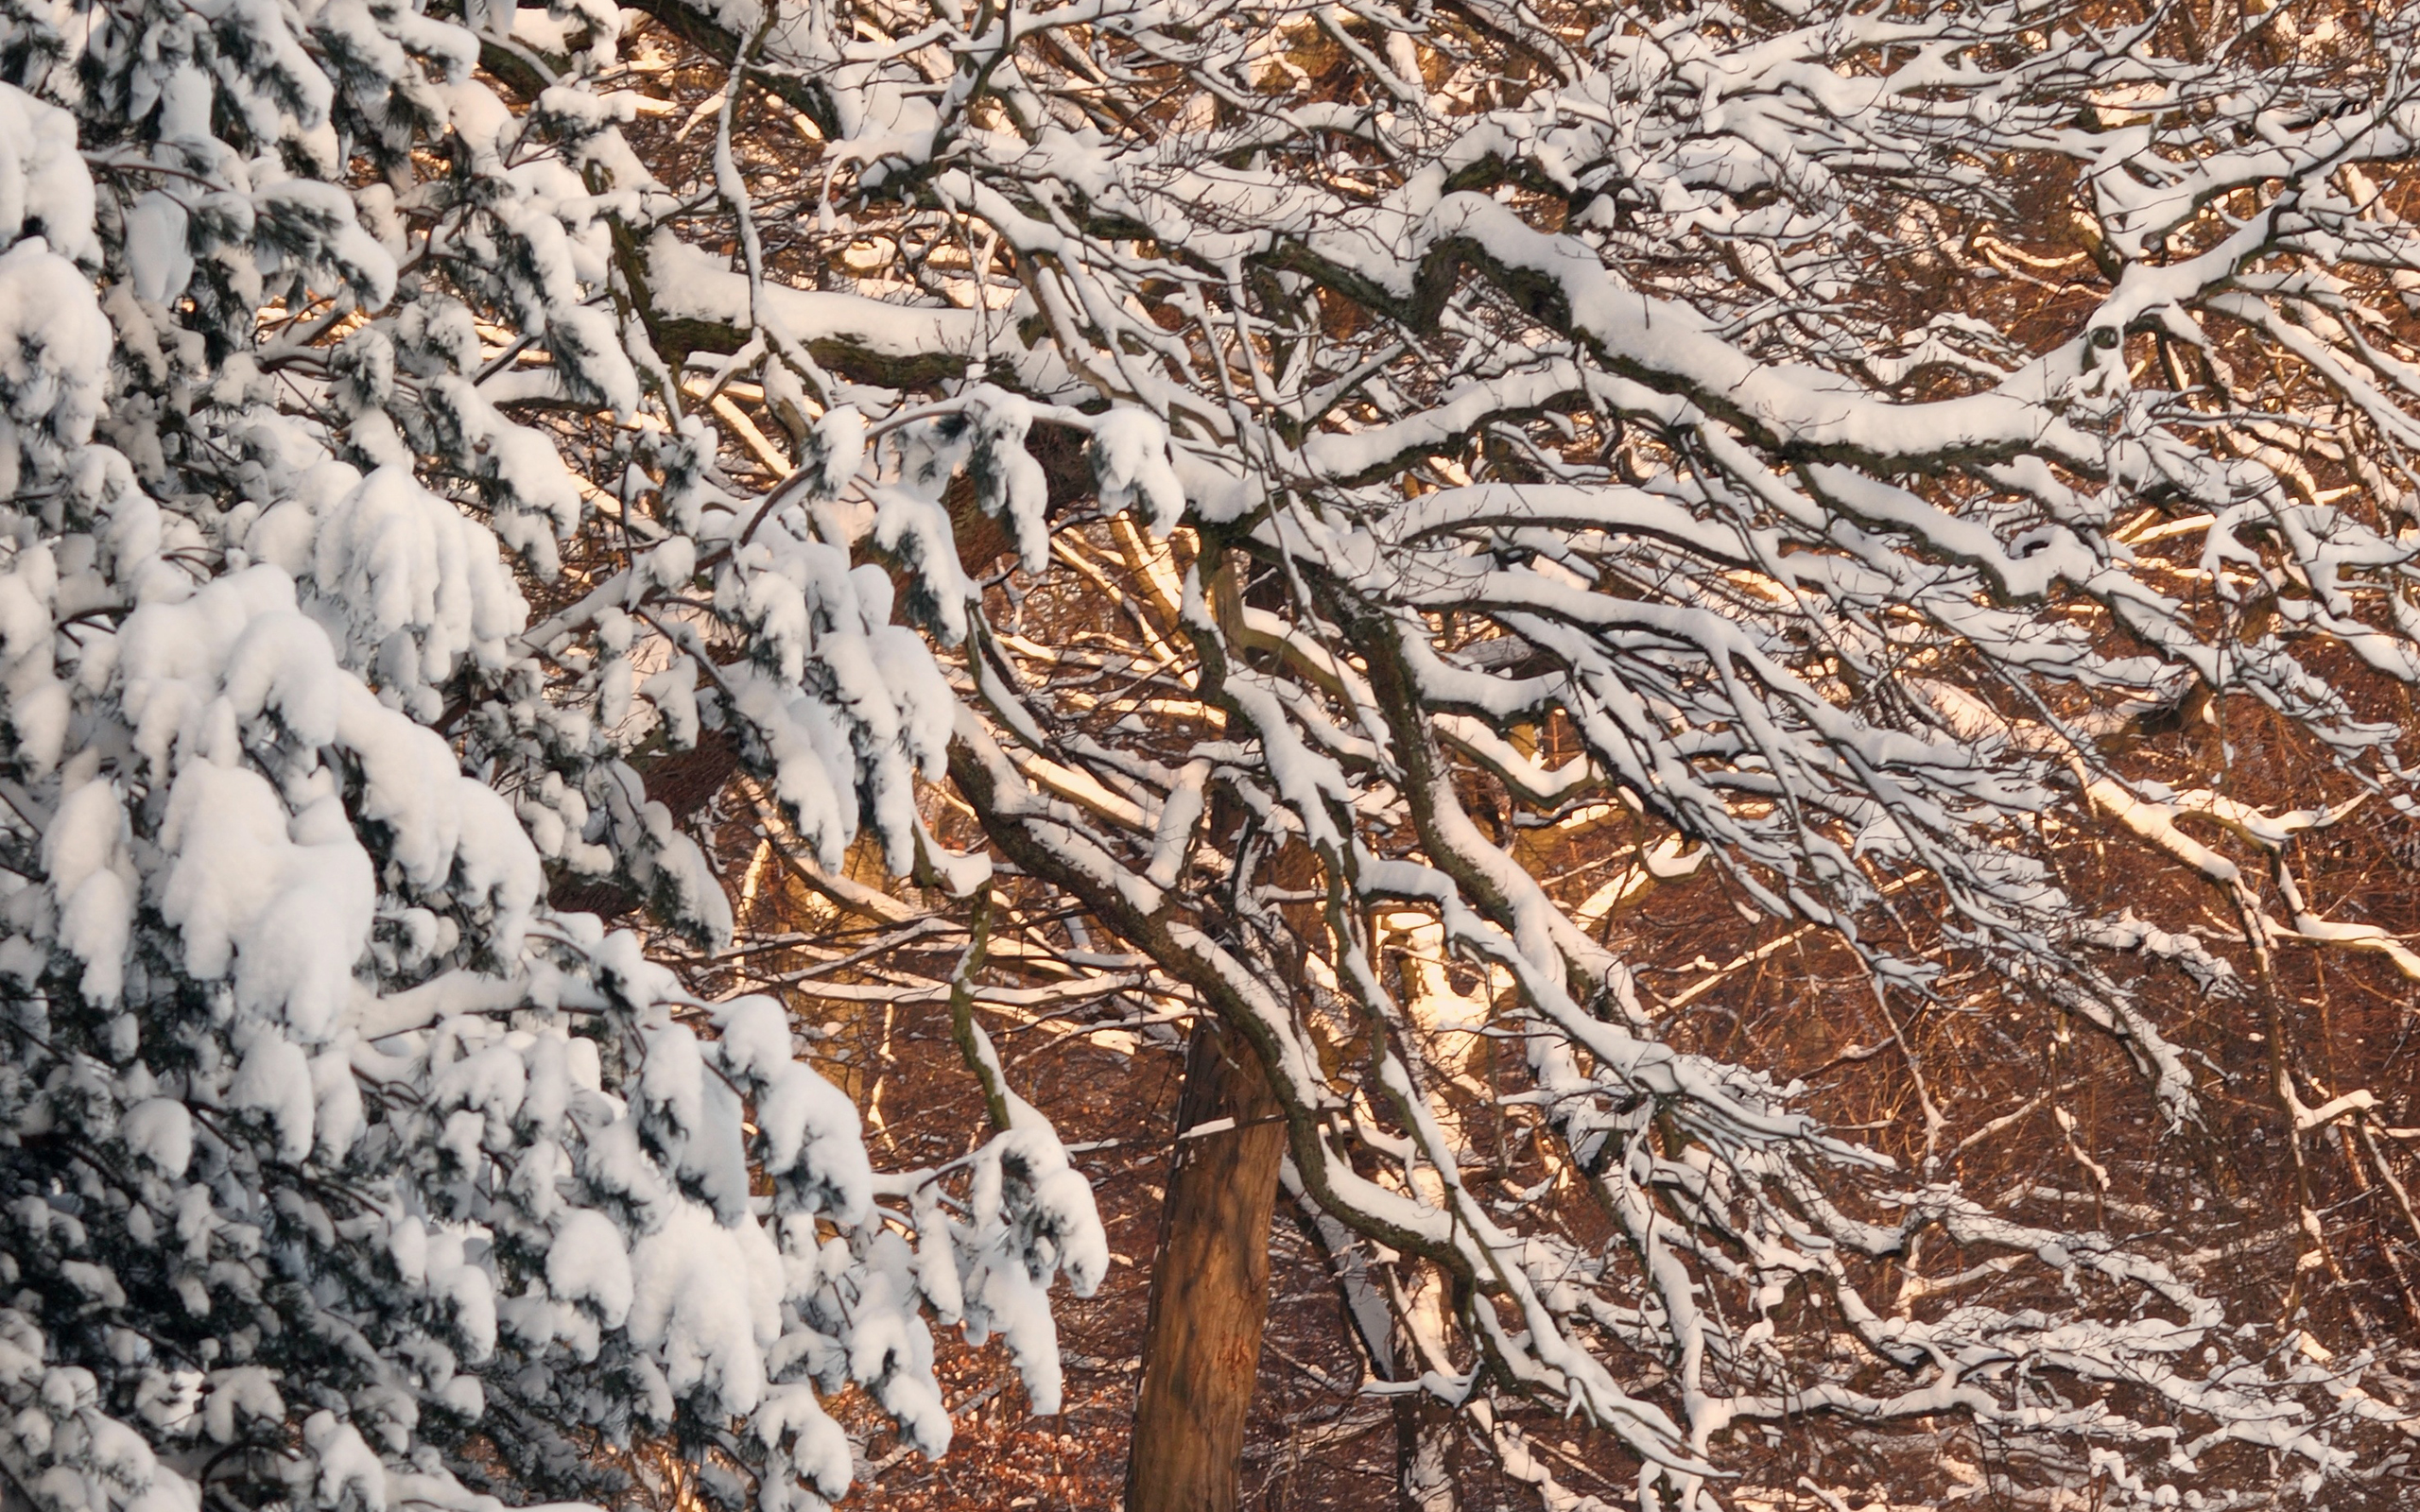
(2037, 1116)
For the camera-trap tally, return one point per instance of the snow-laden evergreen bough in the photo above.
(1456, 384)
(340, 1169)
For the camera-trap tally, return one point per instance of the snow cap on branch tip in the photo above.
(1129, 458)
(1007, 481)
(45, 188)
(834, 451)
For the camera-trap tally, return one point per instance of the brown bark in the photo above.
(1209, 1284)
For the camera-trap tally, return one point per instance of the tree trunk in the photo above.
(1209, 1284)
(1424, 1425)
(1424, 1455)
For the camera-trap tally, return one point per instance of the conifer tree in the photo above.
(340, 1168)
